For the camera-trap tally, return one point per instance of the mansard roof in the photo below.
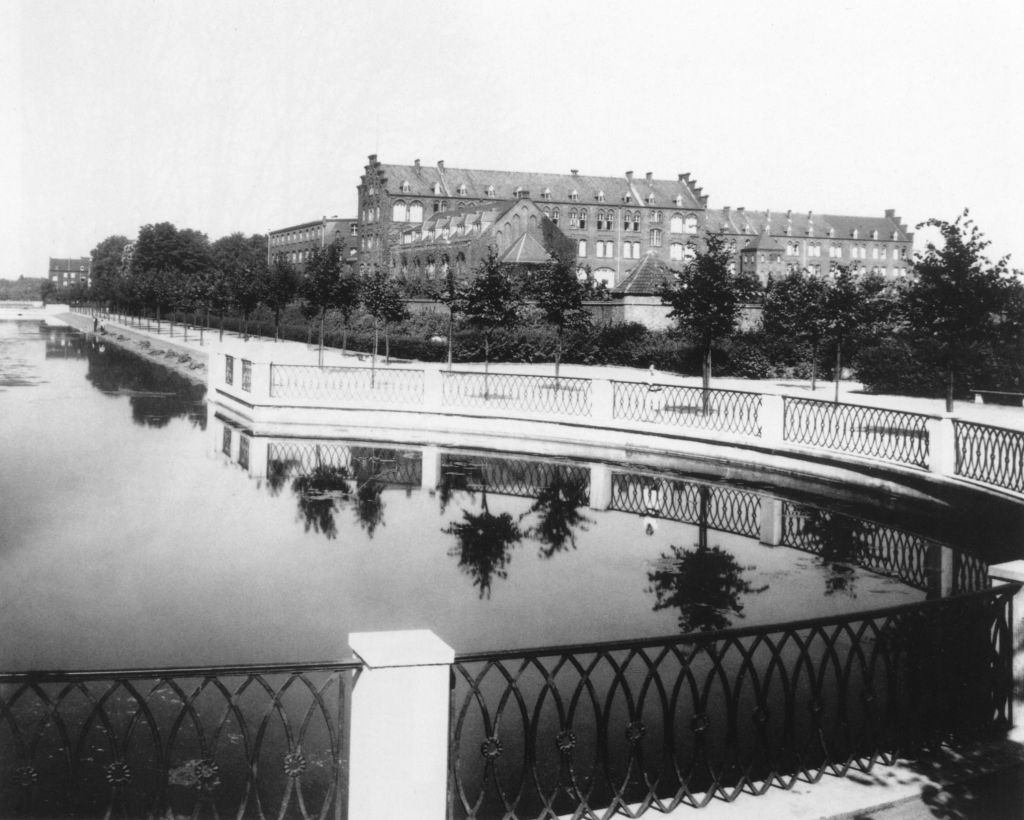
(646, 278)
(422, 180)
(808, 225)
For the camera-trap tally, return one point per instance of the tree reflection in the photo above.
(558, 510)
(319, 492)
(369, 506)
(156, 395)
(840, 541)
(705, 584)
(484, 544)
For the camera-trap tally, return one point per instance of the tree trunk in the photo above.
(387, 345)
(705, 378)
(487, 365)
(839, 366)
(277, 325)
(344, 336)
(814, 366)
(222, 326)
(320, 354)
(558, 357)
(451, 327)
(950, 381)
(373, 358)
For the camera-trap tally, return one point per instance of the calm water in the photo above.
(128, 538)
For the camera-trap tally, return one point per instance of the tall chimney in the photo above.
(440, 165)
(649, 176)
(629, 175)
(574, 172)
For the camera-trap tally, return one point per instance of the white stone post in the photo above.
(430, 468)
(258, 452)
(771, 521)
(939, 568)
(399, 735)
(600, 487)
(942, 446)
(772, 419)
(602, 399)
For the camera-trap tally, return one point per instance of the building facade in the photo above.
(615, 222)
(296, 243)
(65, 272)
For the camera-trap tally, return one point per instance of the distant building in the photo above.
(65, 272)
(614, 222)
(297, 242)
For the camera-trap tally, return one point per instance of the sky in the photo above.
(248, 116)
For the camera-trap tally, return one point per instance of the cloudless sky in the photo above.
(247, 116)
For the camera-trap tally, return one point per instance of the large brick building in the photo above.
(613, 222)
(64, 272)
(296, 242)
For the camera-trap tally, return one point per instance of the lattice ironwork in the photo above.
(288, 459)
(969, 573)
(268, 741)
(509, 476)
(726, 509)
(516, 391)
(885, 550)
(590, 731)
(891, 435)
(994, 455)
(725, 411)
(381, 385)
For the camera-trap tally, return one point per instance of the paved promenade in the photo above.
(982, 782)
(300, 353)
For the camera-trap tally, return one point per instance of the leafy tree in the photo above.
(163, 259)
(559, 294)
(491, 301)
(283, 284)
(957, 296)
(347, 295)
(106, 267)
(706, 299)
(320, 285)
(242, 263)
(794, 308)
(383, 301)
(453, 297)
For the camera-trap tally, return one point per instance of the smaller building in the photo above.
(66, 272)
(296, 243)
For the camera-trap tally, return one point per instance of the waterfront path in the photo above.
(288, 352)
(984, 781)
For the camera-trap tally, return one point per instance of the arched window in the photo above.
(581, 248)
(533, 222)
(655, 237)
(554, 215)
(583, 219)
(574, 218)
(416, 212)
(517, 224)
(636, 221)
(625, 220)
(675, 223)
(656, 217)
(675, 251)
(691, 223)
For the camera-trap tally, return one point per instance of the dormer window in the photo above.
(490, 190)
(650, 199)
(462, 189)
(405, 186)
(831, 232)
(600, 196)
(518, 192)
(574, 195)
(874, 234)
(895, 236)
(546, 193)
(679, 200)
(856, 233)
(437, 188)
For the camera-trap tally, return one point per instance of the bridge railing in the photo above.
(992, 455)
(594, 730)
(245, 741)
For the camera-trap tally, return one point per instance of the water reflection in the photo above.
(558, 514)
(484, 544)
(156, 395)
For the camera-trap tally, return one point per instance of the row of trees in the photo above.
(957, 307)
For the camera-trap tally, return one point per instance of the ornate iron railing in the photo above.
(515, 391)
(727, 509)
(724, 411)
(891, 435)
(509, 476)
(626, 727)
(287, 459)
(250, 741)
(386, 385)
(993, 455)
